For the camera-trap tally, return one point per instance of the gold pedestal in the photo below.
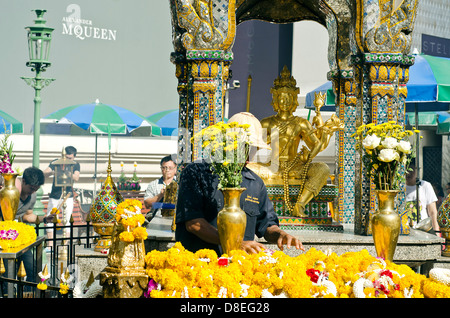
(125, 276)
(123, 283)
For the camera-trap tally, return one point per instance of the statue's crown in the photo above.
(285, 80)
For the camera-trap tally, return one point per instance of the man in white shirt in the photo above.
(155, 189)
(427, 197)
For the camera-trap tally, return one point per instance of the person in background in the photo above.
(155, 189)
(56, 197)
(439, 194)
(427, 197)
(30, 182)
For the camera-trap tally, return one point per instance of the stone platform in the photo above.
(417, 250)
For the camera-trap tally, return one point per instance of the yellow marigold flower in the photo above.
(140, 233)
(63, 288)
(126, 236)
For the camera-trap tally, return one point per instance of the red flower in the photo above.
(386, 272)
(313, 274)
(223, 261)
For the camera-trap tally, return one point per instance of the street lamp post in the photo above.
(39, 39)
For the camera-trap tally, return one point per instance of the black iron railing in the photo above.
(59, 252)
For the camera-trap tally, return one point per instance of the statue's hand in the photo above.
(333, 124)
(303, 154)
(319, 100)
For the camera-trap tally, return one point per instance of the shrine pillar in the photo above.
(344, 86)
(381, 73)
(203, 36)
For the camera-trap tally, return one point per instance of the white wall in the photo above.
(310, 56)
(147, 152)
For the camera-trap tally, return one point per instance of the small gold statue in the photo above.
(289, 165)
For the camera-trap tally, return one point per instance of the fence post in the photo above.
(21, 274)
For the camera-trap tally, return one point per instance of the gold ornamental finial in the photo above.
(109, 170)
(90, 280)
(2, 267)
(21, 272)
(67, 274)
(45, 271)
(285, 80)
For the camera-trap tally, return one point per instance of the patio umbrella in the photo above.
(97, 118)
(443, 123)
(167, 120)
(428, 86)
(9, 124)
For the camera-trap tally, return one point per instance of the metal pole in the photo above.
(37, 117)
(249, 87)
(38, 83)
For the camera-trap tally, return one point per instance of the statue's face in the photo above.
(284, 101)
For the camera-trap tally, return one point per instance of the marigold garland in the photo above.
(15, 234)
(181, 273)
(128, 213)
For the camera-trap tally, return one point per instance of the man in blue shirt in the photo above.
(199, 202)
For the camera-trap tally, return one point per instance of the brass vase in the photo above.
(231, 220)
(386, 224)
(9, 196)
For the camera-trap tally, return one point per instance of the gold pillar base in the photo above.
(123, 283)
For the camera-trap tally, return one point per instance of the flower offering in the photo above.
(226, 147)
(178, 272)
(386, 149)
(6, 155)
(129, 215)
(15, 234)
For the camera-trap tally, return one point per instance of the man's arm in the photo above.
(48, 172)
(148, 202)
(76, 176)
(205, 231)
(432, 213)
(276, 235)
(30, 217)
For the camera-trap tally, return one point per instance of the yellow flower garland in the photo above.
(128, 213)
(181, 273)
(26, 234)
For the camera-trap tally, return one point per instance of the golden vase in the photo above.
(9, 196)
(231, 220)
(386, 224)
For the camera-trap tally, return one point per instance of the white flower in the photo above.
(404, 146)
(371, 142)
(389, 142)
(388, 155)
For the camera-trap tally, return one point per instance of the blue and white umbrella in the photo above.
(428, 86)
